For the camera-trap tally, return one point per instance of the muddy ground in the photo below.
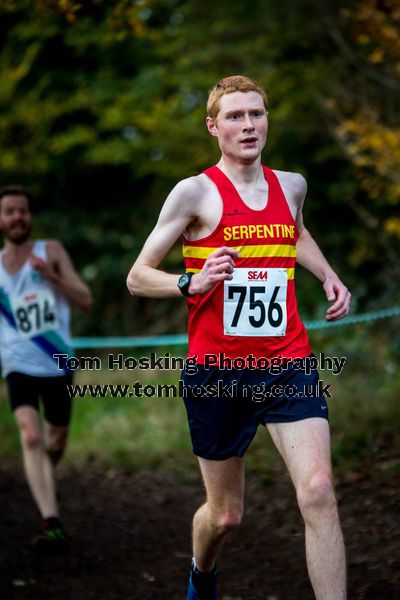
(130, 536)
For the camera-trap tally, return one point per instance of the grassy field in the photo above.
(152, 432)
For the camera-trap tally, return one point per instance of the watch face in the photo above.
(183, 280)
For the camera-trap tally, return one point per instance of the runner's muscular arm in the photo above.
(61, 273)
(144, 278)
(310, 256)
(181, 208)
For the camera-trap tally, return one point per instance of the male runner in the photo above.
(37, 283)
(243, 233)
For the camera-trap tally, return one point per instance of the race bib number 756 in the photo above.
(255, 302)
(34, 313)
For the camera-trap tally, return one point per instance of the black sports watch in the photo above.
(184, 283)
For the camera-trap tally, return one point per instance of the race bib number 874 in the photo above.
(34, 313)
(255, 303)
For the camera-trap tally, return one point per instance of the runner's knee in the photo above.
(31, 437)
(227, 519)
(316, 494)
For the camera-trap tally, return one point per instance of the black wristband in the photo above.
(184, 283)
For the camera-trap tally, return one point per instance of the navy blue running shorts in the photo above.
(25, 390)
(225, 406)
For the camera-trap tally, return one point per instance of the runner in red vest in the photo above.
(250, 360)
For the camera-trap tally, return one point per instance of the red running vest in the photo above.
(255, 313)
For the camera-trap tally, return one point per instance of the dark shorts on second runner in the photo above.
(26, 390)
(225, 407)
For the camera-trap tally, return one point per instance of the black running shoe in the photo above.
(52, 541)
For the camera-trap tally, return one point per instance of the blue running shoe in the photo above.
(202, 586)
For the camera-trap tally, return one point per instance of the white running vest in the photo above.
(34, 321)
